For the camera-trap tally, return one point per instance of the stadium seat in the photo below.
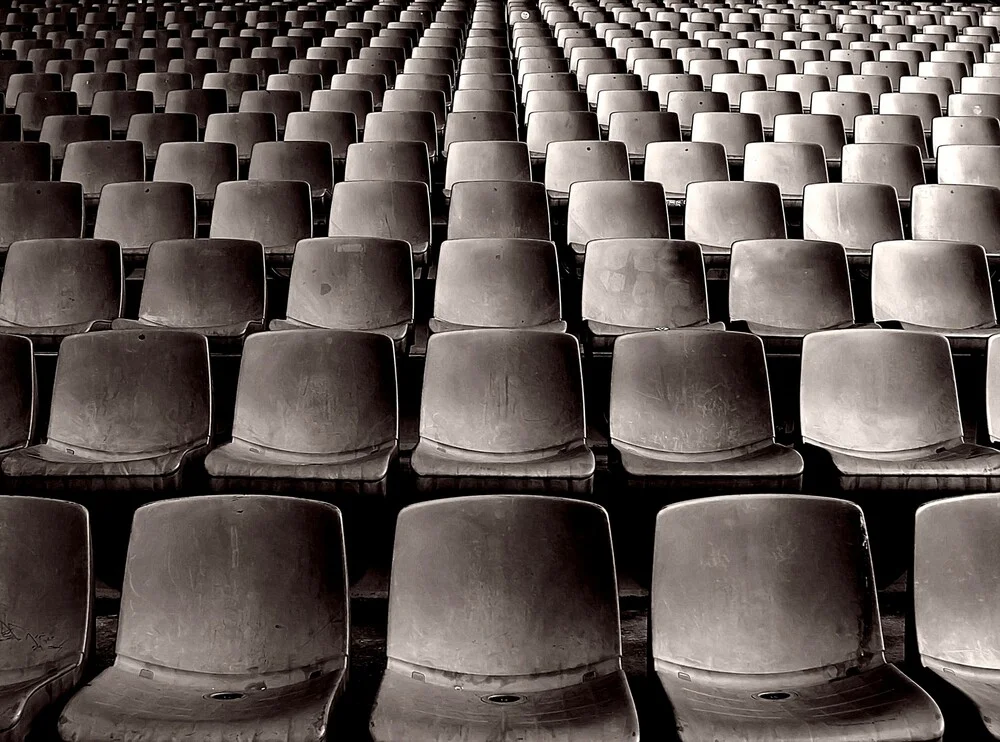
(53, 288)
(234, 83)
(403, 126)
(900, 428)
(280, 103)
(275, 213)
(692, 409)
(474, 435)
(856, 215)
(154, 129)
(734, 131)
(21, 161)
(772, 678)
(767, 104)
(39, 209)
(547, 127)
(479, 126)
(49, 612)
(825, 130)
(569, 162)
(969, 164)
(896, 165)
(719, 213)
(510, 557)
(924, 106)
(954, 595)
(492, 160)
(964, 130)
(214, 287)
(498, 209)
(308, 161)
(961, 213)
(315, 413)
(244, 129)
(131, 412)
(278, 675)
(890, 129)
(789, 165)
(499, 283)
(120, 105)
(400, 161)
(35, 107)
(337, 128)
(60, 131)
(95, 164)
(390, 209)
(936, 287)
(135, 215)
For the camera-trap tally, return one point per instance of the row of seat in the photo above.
(501, 608)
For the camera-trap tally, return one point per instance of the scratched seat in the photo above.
(275, 213)
(511, 557)
(512, 283)
(475, 433)
(389, 209)
(937, 287)
(802, 567)
(130, 413)
(498, 209)
(954, 595)
(279, 676)
(39, 209)
(53, 288)
(883, 406)
(285, 439)
(962, 213)
(48, 621)
(214, 287)
(856, 215)
(719, 213)
(691, 408)
(137, 214)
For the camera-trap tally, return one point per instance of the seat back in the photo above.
(391, 209)
(601, 209)
(569, 162)
(20, 161)
(37, 209)
(202, 164)
(857, 215)
(488, 209)
(961, 213)
(275, 213)
(136, 214)
(719, 213)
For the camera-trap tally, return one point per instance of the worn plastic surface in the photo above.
(962, 213)
(857, 215)
(614, 209)
(135, 215)
(720, 213)
(275, 213)
(395, 210)
(39, 209)
(498, 209)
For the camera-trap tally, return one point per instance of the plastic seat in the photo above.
(483, 548)
(390, 209)
(405, 161)
(154, 129)
(692, 408)
(567, 162)
(244, 129)
(637, 129)
(631, 285)
(403, 126)
(969, 164)
(856, 215)
(939, 87)
(719, 213)
(482, 209)
(897, 165)
(479, 126)
(687, 104)
(497, 283)
(732, 130)
(417, 100)
(493, 160)
(135, 215)
(275, 213)
(897, 426)
(200, 102)
(675, 165)
(964, 130)
(871, 85)
(131, 412)
(39, 209)
(120, 105)
(87, 84)
(339, 129)
(308, 161)
(546, 127)
(49, 571)
(767, 104)
(374, 85)
(283, 677)
(955, 616)
(21, 161)
(40, 274)
(961, 213)
(781, 290)
(891, 129)
(234, 83)
(790, 165)
(279, 103)
(97, 163)
(35, 107)
(923, 105)
(473, 438)
(845, 105)
(784, 659)
(803, 85)
(161, 83)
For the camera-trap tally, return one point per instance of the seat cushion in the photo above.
(878, 705)
(965, 466)
(121, 705)
(409, 710)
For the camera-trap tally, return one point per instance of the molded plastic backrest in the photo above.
(615, 208)
(502, 391)
(963, 213)
(956, 579)
(675, 165)
(497, 283)
(690, 391)
(388, 161)
(47, 582)
(536, 576)
(875, 392)
(968, 164)
(857, 215)
(392, 209)
(153, 129)
(720, 213)
(37, 209)
(317, 391)
(790, 165)
(135, 215)
(493, 160)
(129, 392)
(569, 162)
(756, 584)
(21, 161)
(498, 208)
(272, 212)
(236, 551)
(202, 164)
(243, 129)
(308, 161)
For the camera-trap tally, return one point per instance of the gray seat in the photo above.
(25, 161)
(275, 213)
(691, 409)
(856, 215)
(95, 164)
(896, 165)
(511, 557)
(39, 209)
(719, 213)
(969, 164)
(498, 209)
(390, 209)
(960, 213)
(567, 162)
(280, 675)
(135, 215)
(801, 567)
(309, 161)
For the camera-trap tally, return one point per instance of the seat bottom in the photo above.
(21, 703)
(979, 684)
(876, 705)
(965, 467)
(47, 339)
(408, 710)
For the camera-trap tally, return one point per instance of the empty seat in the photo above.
(964, 130)
(48, 570)
(569, 162)
(546, 127)
(692, 408)
(474, 161)
(675, 165)
(244, 129)
(789, 165)
(405, 161)
(719, 213)
(60, 131)
(202, 164)
(510, 557)
(53, 288)
(135, 215)
(883, 405)
(95, 164)
(505, 283)
(856, 215)
(275, 213)
(390, 209)
(962, 213)
(212, 670)
(925, 106)
(308, 161)
(734, 131)
(339, 129)
(130, 413)
(234, 83)
(498, 209)
(891, 129)
(39, 209)
(716, 667)
(845, 105)
(120, 105)
(403, 126)
(814, 128)
(280, 103)
(21, 161)
(934, 286)
(969, 164)
(34, 108)
(154, 129)
(473, 430)
(896, 165)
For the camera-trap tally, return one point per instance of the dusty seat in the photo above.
(856, 215)
(138, 419)
(502, 409)
(214, 287)
(390, 209)
(95, 164)
(498, 209)
(963, 213)
(719, 213)
(59, 287)
(692, 408)
(39, 209)
(272, 660)
(48, 609)
(764, 625)
(315, 412)
(884, 406)
(275, 213)
(351, 283)
(135, 215)
(510, 283)
(18, 403)
(530, 571)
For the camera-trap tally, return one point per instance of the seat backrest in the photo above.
(135, 215)
(154, 129)
(962, 213)
(601, 209)
(690, 392)
(968, 164)
(37, 209)
(95, 164)
(202, 164)
(825, 130)
(484, 209)
(244, 129)
(718, 213)
(275, 213)
(502, 392)
(131, 392)
(382, 160)
(675, 165)
(392, 209)
(857, 215)
(308, 161)
(789, 165)
(569, 162)
(763, 584)
(530, 569)
(896, 165)
(237, 549)
(20, 161)
(874, 393)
